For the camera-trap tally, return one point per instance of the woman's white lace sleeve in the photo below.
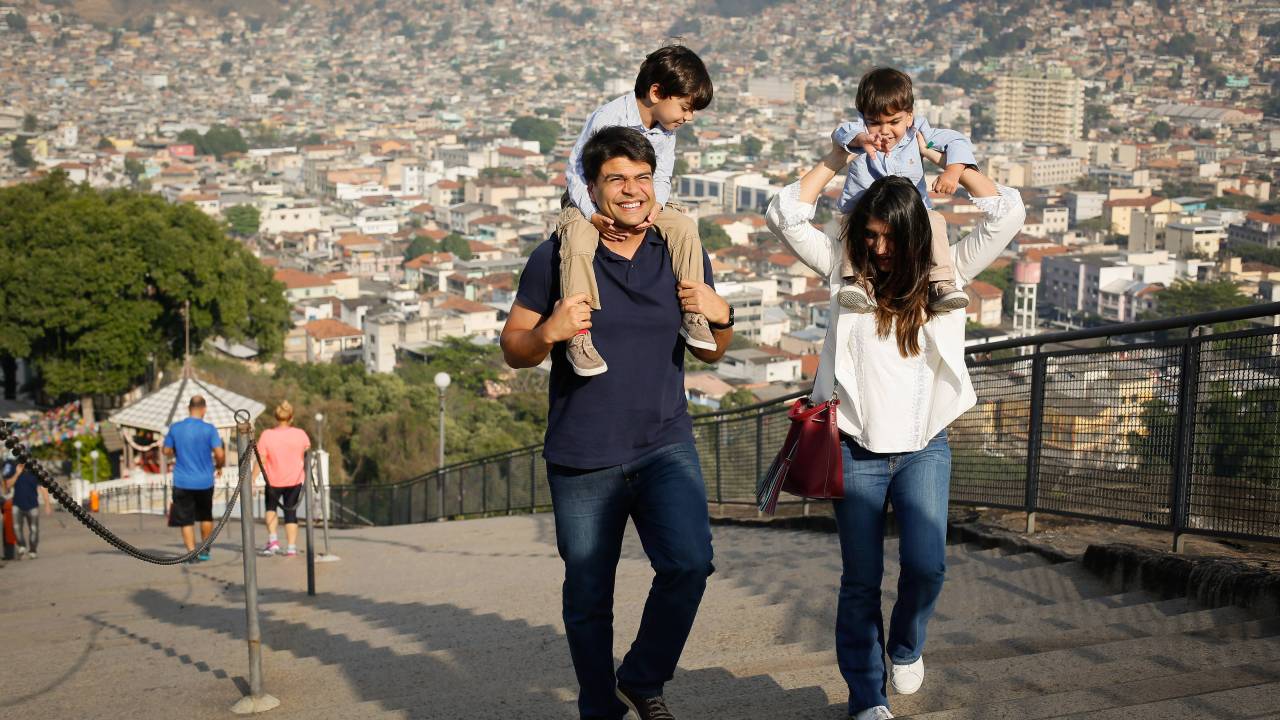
(790, 210)
(998, 206)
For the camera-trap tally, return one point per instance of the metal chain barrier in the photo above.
(23, 456)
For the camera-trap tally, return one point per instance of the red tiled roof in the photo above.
(328, 329)
(464, 305)
(295, 279)
(985, 290)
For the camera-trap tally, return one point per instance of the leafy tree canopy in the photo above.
(95, 282)
(544, 131)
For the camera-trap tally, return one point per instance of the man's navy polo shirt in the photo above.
(639, 404)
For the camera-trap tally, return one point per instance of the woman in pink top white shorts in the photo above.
(283, 449)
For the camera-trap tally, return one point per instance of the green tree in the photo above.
(752, 146)
(243, 219)
(134, 170)
(458, 245)
(16, 22)
(95, 281)
(546, 132)
(220, 140)
(224, 69)
(420, 246)
(741, 397)
(712, 235)
(105, 143)
(1188, 298)
(282, 94)
(29, 123)
(1161, 130)
(21, 154)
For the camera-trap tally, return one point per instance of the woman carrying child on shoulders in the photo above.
(900, 376)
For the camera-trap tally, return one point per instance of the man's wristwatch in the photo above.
(723, 326)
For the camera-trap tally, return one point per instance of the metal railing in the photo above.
(1178, 434)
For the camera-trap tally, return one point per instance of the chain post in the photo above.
(310, 460)
(256, 701)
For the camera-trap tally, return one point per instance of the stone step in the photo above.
(964, 682)
(946, 649)
(1255, 701)
(1146, 692)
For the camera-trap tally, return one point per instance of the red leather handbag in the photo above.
(809, 464)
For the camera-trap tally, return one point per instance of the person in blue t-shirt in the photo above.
(197, 450)
(620, 444)
(27, 493)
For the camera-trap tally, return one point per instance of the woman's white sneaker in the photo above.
(906, 679)
(878, 712)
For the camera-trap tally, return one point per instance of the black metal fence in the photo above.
(1178, 434)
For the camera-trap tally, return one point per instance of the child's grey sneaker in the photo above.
(583, 356)
(854, 297)
(945, 297)
(696, 331)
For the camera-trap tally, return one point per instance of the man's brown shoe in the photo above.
(654, 708)
(583, 356)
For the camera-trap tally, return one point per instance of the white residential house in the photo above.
(758, 366)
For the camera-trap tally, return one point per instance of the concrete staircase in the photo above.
(461, 620)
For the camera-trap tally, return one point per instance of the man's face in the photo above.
(623, 191)
(887, 130)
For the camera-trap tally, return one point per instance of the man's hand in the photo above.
(949, 180)
(700, 298)
(650, 219)
(606, 228)
(569, 316)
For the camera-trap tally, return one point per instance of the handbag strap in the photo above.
(824, 382)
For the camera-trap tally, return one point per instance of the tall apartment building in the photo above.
(1044, 105)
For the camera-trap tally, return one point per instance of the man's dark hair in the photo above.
(615, 141)
(884, 91)
(678, 72)
(196, 401)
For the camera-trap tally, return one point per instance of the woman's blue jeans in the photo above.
(663, 494)
(916, 483)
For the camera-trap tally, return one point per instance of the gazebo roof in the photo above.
(162, 408)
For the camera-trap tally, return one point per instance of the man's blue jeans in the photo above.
(663, 493)
(917, 484)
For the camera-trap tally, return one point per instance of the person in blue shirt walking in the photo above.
(198, 458)
(884, 142)
(27, 493)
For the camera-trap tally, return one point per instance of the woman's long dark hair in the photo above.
(901, 294)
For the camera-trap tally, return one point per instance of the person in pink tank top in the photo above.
(283, 450)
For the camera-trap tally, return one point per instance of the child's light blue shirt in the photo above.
(903, 160)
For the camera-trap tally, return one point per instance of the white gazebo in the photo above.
(162, 408)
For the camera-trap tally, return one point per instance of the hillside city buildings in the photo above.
(397, 205)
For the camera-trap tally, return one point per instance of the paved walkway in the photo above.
(461, 620)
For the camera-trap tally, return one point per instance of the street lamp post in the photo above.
(77, 474)
(323, 477)
(442, 382)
